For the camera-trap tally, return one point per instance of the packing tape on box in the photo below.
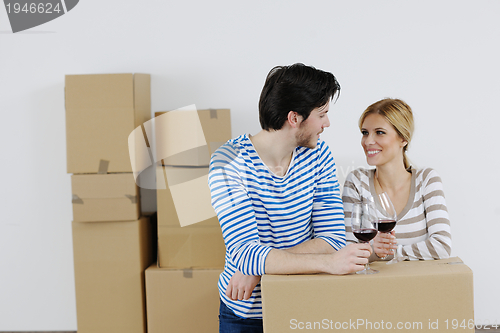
(213, 113)
(187, 273)
(133, 198)
(103, 167)
(76, 199)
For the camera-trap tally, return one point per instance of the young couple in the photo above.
(278, 200)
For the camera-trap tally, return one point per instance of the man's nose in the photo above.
(327, 122)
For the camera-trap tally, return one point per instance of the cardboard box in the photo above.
(183, 197)
(189, 137)
(182, 300)
(110, 259)
(101, 112)
(189, 234)
(417, 296)
(197, 247)
(106, 197)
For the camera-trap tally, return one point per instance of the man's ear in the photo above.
(294, 119)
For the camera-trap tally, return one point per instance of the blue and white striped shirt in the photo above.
(259, 211)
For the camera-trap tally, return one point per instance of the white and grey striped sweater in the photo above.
(423, 226)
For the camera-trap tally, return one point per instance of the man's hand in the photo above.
(240, 286)
(349, 259)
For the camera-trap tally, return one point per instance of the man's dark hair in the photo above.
(298, 88)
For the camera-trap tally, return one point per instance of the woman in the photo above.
(423, 227)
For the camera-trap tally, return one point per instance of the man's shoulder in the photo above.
(231, 150)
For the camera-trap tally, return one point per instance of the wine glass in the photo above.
(363, 218)
(386, 215)
(386, 219)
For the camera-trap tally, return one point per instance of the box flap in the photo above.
(188, 138)
(99, 91)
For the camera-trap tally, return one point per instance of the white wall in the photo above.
(442, 57)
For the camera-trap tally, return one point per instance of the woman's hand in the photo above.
(240, 286)
(384, 244)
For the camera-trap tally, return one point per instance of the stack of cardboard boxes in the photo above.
(111, 241)
(182, 294)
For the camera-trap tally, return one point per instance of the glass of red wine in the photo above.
(386, 215)
(363, 219)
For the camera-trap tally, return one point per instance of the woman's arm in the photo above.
(438, 243)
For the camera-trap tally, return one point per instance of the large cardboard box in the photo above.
(110, 259)
(182, 300)
(189, 234)
(189, 137)
(105, 197)
(101, 112)
(416, 296)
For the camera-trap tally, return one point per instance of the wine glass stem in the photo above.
(367, 267)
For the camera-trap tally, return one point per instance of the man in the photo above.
(277, 196)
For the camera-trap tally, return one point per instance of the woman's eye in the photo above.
(380, 132)
(364, 132)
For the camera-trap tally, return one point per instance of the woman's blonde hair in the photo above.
(399, 115)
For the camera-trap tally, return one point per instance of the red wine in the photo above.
(385, 225)
(365, 235)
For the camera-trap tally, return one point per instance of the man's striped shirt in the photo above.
(259, 211)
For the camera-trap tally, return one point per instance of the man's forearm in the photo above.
(316, 245)
(346, 260)
(285, 262)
